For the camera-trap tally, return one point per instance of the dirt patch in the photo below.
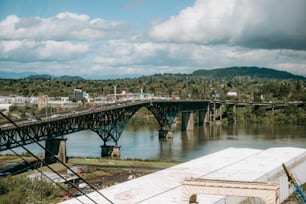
(103, 178)
(117, 177)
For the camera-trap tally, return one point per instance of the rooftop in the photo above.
(240, 164)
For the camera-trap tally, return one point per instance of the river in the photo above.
(144, 143)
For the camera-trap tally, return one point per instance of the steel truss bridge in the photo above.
(109, 122)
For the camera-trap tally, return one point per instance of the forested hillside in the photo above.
(185, 86)
(252, 72)
(248, 87)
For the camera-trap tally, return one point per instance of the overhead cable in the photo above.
(45, 164)
(50, 153)
(45, 175)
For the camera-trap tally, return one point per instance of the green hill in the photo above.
(253, 72)
(46, 76)
(65, 77)
(39, 76)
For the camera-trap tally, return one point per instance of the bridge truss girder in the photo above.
(111, 124)
(166, 112)
(108, 123)
(165, 115)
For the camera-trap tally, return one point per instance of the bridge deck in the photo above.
(243, 164)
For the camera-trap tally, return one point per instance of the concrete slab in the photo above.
(230, 164)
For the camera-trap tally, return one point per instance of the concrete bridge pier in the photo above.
(207, 115)
(162, 133)
(110, 151)
(213, 114)
(116, 152)
(235, 114)
(187, 121)
(106, 150)
(202, 114)
(56, 147)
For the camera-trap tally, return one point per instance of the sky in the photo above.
(124, 38)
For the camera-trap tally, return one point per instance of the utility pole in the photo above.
(115, 93)
(46, 110)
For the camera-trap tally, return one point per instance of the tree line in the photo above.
(183, 86)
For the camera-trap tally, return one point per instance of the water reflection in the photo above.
(144, 143)
(208, 139)
(165, 148)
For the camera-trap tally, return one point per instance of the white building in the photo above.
(231, 94)
(232, 164)
(42, 101)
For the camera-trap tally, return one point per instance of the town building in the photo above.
(78, 95)
(42, 101)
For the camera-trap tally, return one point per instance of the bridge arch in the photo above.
(107, 122)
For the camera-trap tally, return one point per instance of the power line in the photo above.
(50, 153)
(45, 164)
(46, 176)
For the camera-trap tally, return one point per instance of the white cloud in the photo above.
(125, 58)
(34, 51)
(183, 57)
(66, 36)
(207, 35)
(46, 67)
(296, 68)
(9, 46)
(64, 26)
(125, 52)
(68, 15)
(269, 24)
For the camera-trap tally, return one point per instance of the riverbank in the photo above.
(99, 172)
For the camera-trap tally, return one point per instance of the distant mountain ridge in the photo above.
(219, 73)
(253, 72)
(33, 75)
(46, 76)
(15, 75)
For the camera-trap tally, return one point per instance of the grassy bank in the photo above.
(100, 172)
(122, 163)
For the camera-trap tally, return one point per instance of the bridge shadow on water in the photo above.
(144, 143)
